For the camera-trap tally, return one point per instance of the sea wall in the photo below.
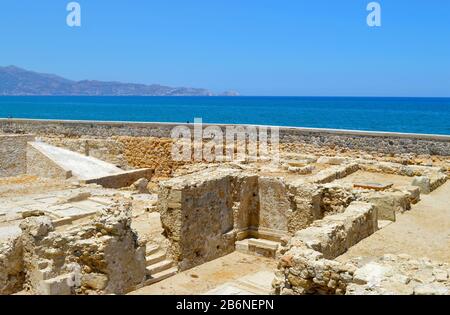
(370, 141)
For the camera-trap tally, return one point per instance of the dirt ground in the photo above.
(424, 231)
(211, 275)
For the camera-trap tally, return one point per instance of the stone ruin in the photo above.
(303, 213)
(100, 256)
(304, 222)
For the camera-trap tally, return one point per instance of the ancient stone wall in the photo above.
(389, 143)
(13, 150)
(275, 205)
(101, 256)
(335, 234)
(205, 213)
(307, 265)
(149, 152)
(198, 217)
(306, 206)
(12, 275)
(246, 205)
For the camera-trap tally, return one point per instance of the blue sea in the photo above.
(409, 115)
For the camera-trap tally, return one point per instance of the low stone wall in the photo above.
(102, 256)
(307, 266)
(335, 234)
(370, 141)
(13, 150)
(335, 172)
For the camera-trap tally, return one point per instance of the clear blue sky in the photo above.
(258, 47)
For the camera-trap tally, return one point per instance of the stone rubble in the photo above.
(100, 256)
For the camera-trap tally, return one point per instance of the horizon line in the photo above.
(231, 97)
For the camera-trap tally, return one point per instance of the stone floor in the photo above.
(233, 274)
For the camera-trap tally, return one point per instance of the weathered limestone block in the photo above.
(141, 186)
(437, 180)
(336, 198)
(412, 192)
(388, 204)
(335, 172)
(245, 192)
(102, 256)
(305, 205)
(331, 160)
(424, 184)
(274, 203)
(12, 275)
(301, 170)
(197, 213)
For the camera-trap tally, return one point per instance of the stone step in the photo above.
(160, 276)
(258, 247)
(160, 266)
(155, 258)
(152, 249)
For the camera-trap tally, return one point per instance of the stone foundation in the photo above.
(198, 217)
(99, 256)
(307, 266)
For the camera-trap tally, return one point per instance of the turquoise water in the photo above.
(411, 115)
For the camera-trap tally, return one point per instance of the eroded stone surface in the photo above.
(101, 256)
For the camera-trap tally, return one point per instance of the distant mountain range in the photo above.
(15, 81)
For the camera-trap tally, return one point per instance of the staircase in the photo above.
(158, 266)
